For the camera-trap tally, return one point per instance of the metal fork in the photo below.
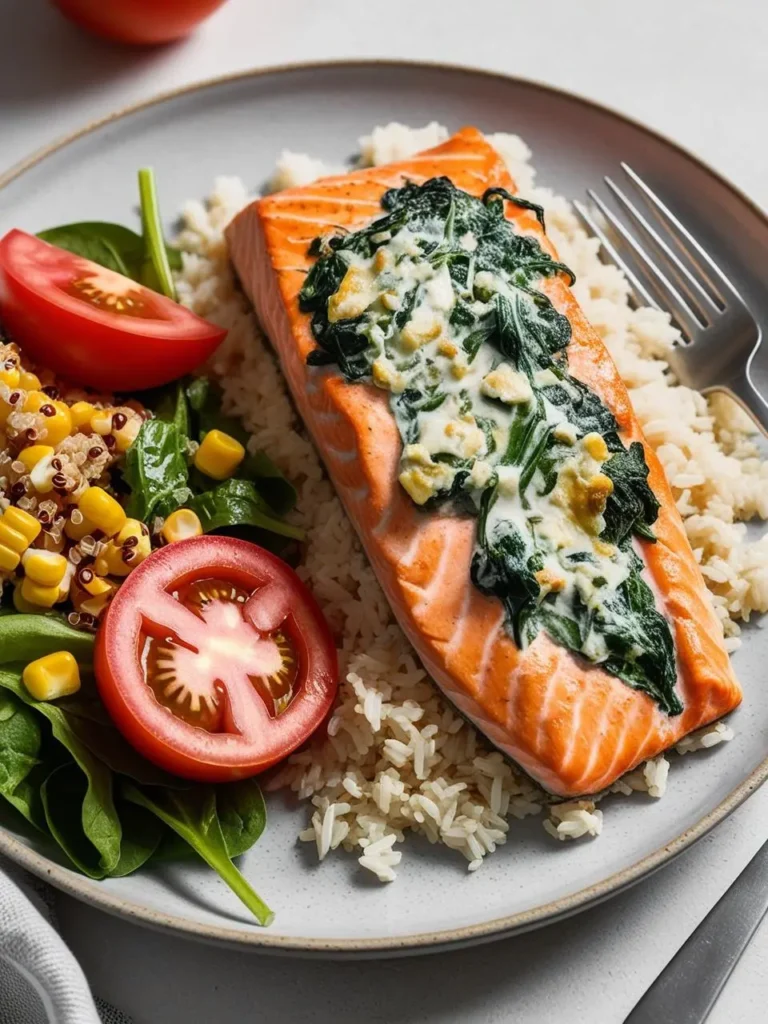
(722, 337)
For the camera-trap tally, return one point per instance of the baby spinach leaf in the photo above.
(238, 503)
(192, 814)
(242, 814)
(100, 821)
(632, 507)
(26, 637)
(20, 746)
(173, 408)
(110, 245)
(142, 835)
(156, 471)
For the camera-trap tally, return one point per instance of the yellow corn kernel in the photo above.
(81, 413)
(22, 522)
(9, 559)
(181, 524)
(58, 426)
(34, 400)
(126, 435)
(44, 567)
(103, 510)
(93, 584)
(35, 593)
(9, 376)
(31, 456)
(76, 531)
(125, 551)
(89, 593)
(12, 539)
(56, 675)
(24, 606)
(101, 421)
(595, 445)
(29, 381)
(219, 455)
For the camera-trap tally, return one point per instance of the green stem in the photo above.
(230, 874)
(153, 232)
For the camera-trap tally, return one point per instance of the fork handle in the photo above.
(686, 990)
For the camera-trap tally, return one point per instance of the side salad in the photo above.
(157, 650)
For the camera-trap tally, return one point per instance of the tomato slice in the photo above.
(93, 325)
(214, 660)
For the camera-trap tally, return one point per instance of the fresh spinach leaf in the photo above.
(173, 408)
(26, 637)
(100, 821)
(242, 814)
(20, 748)
(193, 815)
(632, 507)
(155, 470)
(110, 245)
(238, 503)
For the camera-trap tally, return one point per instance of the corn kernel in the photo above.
(101, 421)
(9, 559)
(44, 567)
(31, 456)
(103, 510)
(126, 435)
(58, 426)
(125, 551)
(81, 413)
(93, 602)
(219, 455)
(76, 531)
(93, 584)
(595, 445)
(13, 539)
(56, 675)
(29, 381)
(42, 473)
(24, 606)
(35, 400)
(181, 524)
(45, 597)
(10, 377)
(22, 521)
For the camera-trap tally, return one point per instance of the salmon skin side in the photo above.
(571, 726)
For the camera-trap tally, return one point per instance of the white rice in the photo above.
(397, 757)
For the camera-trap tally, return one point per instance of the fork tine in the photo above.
(701, 293)
(642, 295)
(705, 261)
(680, 309)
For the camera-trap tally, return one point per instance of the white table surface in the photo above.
(698, 71)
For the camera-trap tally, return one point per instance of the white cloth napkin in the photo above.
(40, 980)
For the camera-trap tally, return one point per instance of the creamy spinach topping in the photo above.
(437, 302)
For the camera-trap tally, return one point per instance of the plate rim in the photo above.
(92, 893)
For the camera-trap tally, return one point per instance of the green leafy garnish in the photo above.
(192, 814)
(238, 503)
(110, 245)
(66, 768)
(156, 471)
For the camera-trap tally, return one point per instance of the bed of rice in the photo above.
(397, 757)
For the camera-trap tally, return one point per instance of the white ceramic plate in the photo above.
(238, 126)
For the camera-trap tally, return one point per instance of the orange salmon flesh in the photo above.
(570, 725)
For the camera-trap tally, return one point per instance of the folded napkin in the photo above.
(40, 980)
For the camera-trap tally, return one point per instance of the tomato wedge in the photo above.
(214, 660)
(93, 325)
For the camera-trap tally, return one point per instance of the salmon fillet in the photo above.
(570, 725)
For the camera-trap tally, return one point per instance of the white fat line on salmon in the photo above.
(445, 565)
(413, 548)
(458, 634)
(341, 454)
(627, 728)
(490, 643)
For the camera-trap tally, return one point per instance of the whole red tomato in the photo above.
(138, 21)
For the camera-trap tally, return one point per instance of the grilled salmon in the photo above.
(568, 722)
